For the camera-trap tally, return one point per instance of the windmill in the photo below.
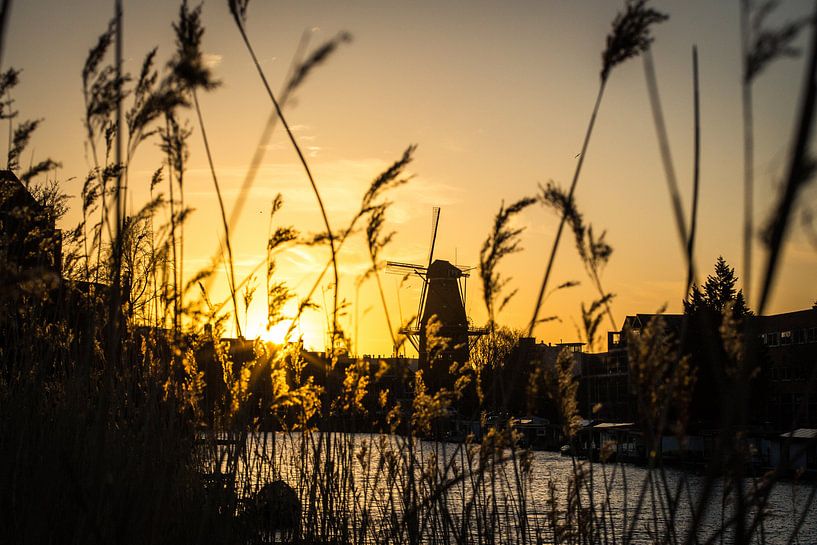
(442, 296)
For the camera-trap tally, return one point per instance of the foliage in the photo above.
(489, 355)
(561, 385)
(157, 428)
(718, 291)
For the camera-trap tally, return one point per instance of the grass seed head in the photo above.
(630, 35)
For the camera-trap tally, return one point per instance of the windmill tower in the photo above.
(442, 304)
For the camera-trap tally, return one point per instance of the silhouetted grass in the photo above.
(630, 36)
(125, 416)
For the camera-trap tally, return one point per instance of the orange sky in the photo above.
(497, 97)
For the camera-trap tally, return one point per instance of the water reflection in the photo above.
(536, 498)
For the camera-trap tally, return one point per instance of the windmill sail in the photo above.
(435, 222)
(442, 298)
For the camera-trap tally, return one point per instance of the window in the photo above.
(771, 339)
(812, 335)
(799, 336)
(785, 337)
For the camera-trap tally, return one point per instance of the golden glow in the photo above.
(470, 157)
(277, 334)
(307, 329)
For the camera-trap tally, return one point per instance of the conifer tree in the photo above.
(705, 342)
(718, 290)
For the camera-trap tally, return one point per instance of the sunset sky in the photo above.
(496, 95)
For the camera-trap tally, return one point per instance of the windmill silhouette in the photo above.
(442, 300)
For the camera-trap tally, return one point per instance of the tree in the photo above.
(718, 339)
(489, 357)
(718, 290)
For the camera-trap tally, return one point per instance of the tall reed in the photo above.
(172, 433)
(630, 37)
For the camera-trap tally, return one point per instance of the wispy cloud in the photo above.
(342, 184)
(212, 60)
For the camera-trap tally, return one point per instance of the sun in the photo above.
(304, 327)
(277, 334)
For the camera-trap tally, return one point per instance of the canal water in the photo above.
(535, 499)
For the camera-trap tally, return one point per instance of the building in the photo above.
(30, 242)
(605, 393)
(443, 326)
(790, 343)
(787, 365)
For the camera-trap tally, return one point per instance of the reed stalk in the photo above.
(748, 148)
(225, 224)
(307, 171)
(799, 171)
(552, 256)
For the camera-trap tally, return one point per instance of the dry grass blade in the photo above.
(239, 11)
(42, 167)
(277, 292)
(5, 10)
(388, 179)
(191, 72)
(592, 316)
(298, 66)
(748, 149)
(630, 35)
(696, 174)
(594, 251)
(188, 65)
(263, 142)
(501, 242)
(561, 387)
(318, 57)
(96, 55)
(664, 146)
(765, 44)
(21, 138)
(227, 243)
(760, 45)
(799, 172)
(8, 80)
